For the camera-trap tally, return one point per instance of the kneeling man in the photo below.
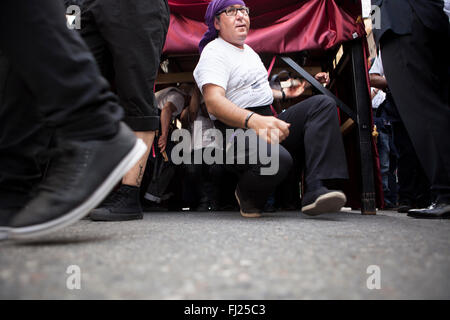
(236, 90)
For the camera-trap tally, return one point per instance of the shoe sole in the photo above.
(417, 215)
(326, 203)
(246, 215)
(93, 201)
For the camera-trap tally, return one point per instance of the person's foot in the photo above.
(322, 200)
(404, 206)
(151, 206)
(77, 181)
(203, 205)
(121, 205)
(269, 207)
(6, 214)
(434, 211)
(247, 209)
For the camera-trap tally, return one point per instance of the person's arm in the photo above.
(229, 113)
(184, 118)
(299, 87)
(378, 81)
(194, 105)
(290, 92)
(166, 116)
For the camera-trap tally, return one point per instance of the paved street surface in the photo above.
(284, 255)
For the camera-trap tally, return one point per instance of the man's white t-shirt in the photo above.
(173, 95)
(239, 71)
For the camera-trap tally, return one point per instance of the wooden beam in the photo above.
(347, 126)
(166, 78)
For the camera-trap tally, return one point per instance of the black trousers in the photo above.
(49, 83)
(417, 71)
(127, 38)
(314, 138)
(413, 185)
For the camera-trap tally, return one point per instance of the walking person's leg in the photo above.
(23, 138)
(134, 34)
(95, 150)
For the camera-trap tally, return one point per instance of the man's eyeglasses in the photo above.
(232, 11)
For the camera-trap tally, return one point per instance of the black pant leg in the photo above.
(58, 69)
(260, 167)
(22, 138)
(314, 135)
(91, 34)
(135, 32)
(255, 185)
(416, 67)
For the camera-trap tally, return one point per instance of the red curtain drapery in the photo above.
(280, 26)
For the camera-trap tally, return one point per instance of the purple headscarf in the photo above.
(214, 7)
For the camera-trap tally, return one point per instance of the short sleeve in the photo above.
(377, 67)
(177, 100)
(212, 68)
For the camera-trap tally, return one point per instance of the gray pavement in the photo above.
(284, 255)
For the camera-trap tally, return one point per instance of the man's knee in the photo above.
(325, 102)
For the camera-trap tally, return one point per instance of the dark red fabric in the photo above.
(279, 26)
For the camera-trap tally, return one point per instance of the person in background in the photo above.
(237, 93)
(198, 175)
(414, 38)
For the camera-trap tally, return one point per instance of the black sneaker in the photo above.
(121, 205)
(404, 206)
(77, 181)
(322, 200)
(269, 207)
(5, 217)
(203, 205)
(247, 209)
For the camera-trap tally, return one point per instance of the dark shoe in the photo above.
(404, 206)
(5, 217)
(203, 206)
(247, 209)
(323, 200)
(121, 205)
(213, 205)
(151, 206)
(435, 211)
(269, 207)
(77, 181)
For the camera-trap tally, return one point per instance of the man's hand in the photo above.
(162, 142)
(295, 91)
(322, 77)
(269, 128)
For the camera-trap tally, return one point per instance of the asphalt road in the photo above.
(284, 255)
